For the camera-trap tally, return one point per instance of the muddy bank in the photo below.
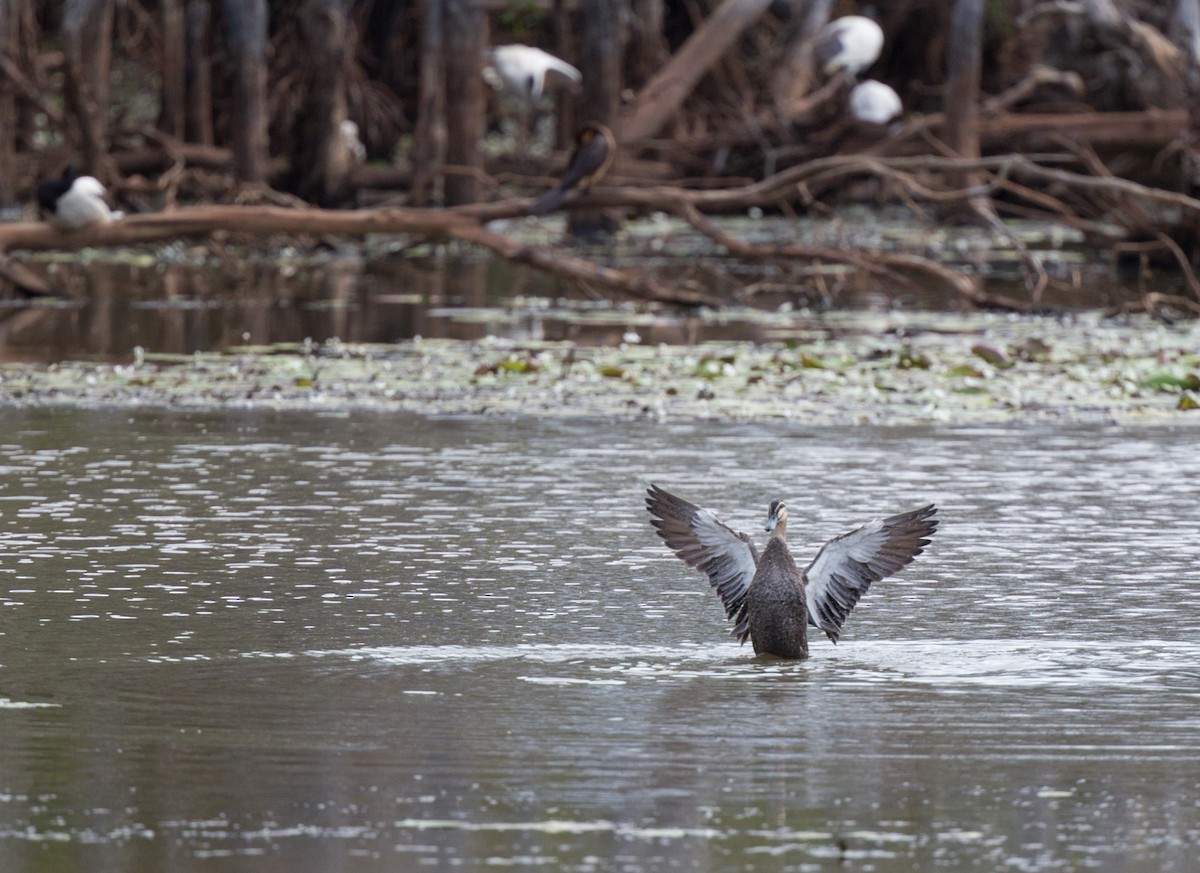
(845, 368)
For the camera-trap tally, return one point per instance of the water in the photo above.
(179, 307)
(287, 643)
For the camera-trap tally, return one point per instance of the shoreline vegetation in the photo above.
(852, 369)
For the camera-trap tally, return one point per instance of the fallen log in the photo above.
(267, 220)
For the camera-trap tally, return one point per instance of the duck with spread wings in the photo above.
(770, 599)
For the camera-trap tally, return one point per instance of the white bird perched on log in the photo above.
(522, 71)
(851, 43)
(874, 102)
(76, 201)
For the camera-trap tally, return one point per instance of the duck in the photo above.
(76, 201)
(874, 102)
(850, 43)
(522, 71)
(595, 147)
(770, 599)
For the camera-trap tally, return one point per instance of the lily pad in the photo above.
(964, 371)
(712, 368)
(909, 359)
(520, 365)
(1168, 381)
(995, 356)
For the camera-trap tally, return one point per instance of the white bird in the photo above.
(348, 131)
(523, 70)
(874, 102)
(76, 201)
(851, 43)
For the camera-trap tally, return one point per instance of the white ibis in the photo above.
(76, 201)
(523, 70)
(874, 102)
(851, 43)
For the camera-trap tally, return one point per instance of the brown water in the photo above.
(180, 306)
(292, 644)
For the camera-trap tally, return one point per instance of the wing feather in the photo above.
(847, 565)
(703, 541)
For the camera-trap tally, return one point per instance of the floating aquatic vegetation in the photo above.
(715, 368)
(995, 356)
(1168, 381)
(875, 368)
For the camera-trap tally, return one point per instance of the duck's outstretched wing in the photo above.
(847, 565)
(703, 541)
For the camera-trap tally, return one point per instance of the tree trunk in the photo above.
(246, 39)
(322, 161)
(647, 51)
(198, 74)
(10, 22)
(87, 60)
(171, 64)
(465, 39)
(961, 97)
(1185, 30)
(600, 54)
(794, 78)
(657, 103)
(429, 141)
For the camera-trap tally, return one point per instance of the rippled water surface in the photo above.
(377, 643)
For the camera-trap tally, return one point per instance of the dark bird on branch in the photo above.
(769, 597)
(595, 147)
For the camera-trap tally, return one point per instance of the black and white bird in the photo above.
(523, 72)
(851, 43)
(874, 102)
(771, 600)
(74, 201)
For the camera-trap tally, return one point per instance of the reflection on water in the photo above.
(177, 307)
(382, 643)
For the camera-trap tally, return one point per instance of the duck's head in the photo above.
(777, 518)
